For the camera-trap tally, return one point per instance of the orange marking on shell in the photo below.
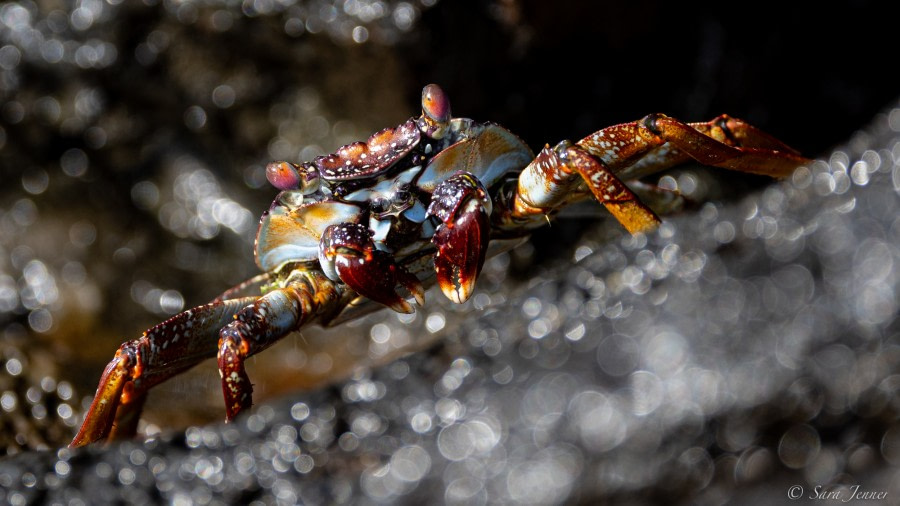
(287, 226)
(313, 213)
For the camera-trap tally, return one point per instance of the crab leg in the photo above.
(549, 181)
(262, 323)
(164, 350)
(658, 142)
(632, 150)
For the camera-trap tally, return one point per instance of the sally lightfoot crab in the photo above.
(377, 221)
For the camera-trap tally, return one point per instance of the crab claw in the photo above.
(347, 252)
(464, 208)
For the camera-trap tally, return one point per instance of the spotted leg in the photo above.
(347, 253)
(551, 179)
(164, 350)
(262, 323)
(463, 206)
(658, 142)
(632, 150)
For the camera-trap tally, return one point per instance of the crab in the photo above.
(376, 222)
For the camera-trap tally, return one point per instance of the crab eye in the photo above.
(379, 205)
(290, 176)
(401, 196)
(435, 103)
(283, 175)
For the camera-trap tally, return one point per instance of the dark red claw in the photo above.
(369, 272)
(461, 251)
(377, 278)
(463, 206)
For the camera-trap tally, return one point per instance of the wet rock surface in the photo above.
(746, 347)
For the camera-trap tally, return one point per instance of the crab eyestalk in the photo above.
(348, 253)
(464, 207)
(435, 112)
(290, 176)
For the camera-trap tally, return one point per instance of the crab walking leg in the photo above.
(164, 350)
(658, 142)
(548, 181)
(610, 191)
(261, 324)
(736, 132)
(632, 150)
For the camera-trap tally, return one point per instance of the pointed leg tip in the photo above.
(77, 443)
(402, 306)
(412, 283)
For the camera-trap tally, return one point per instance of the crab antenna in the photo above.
(435, 111)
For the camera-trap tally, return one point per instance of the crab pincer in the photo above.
(464, 207)
(348, 253)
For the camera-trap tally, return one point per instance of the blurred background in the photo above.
(134, 136)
